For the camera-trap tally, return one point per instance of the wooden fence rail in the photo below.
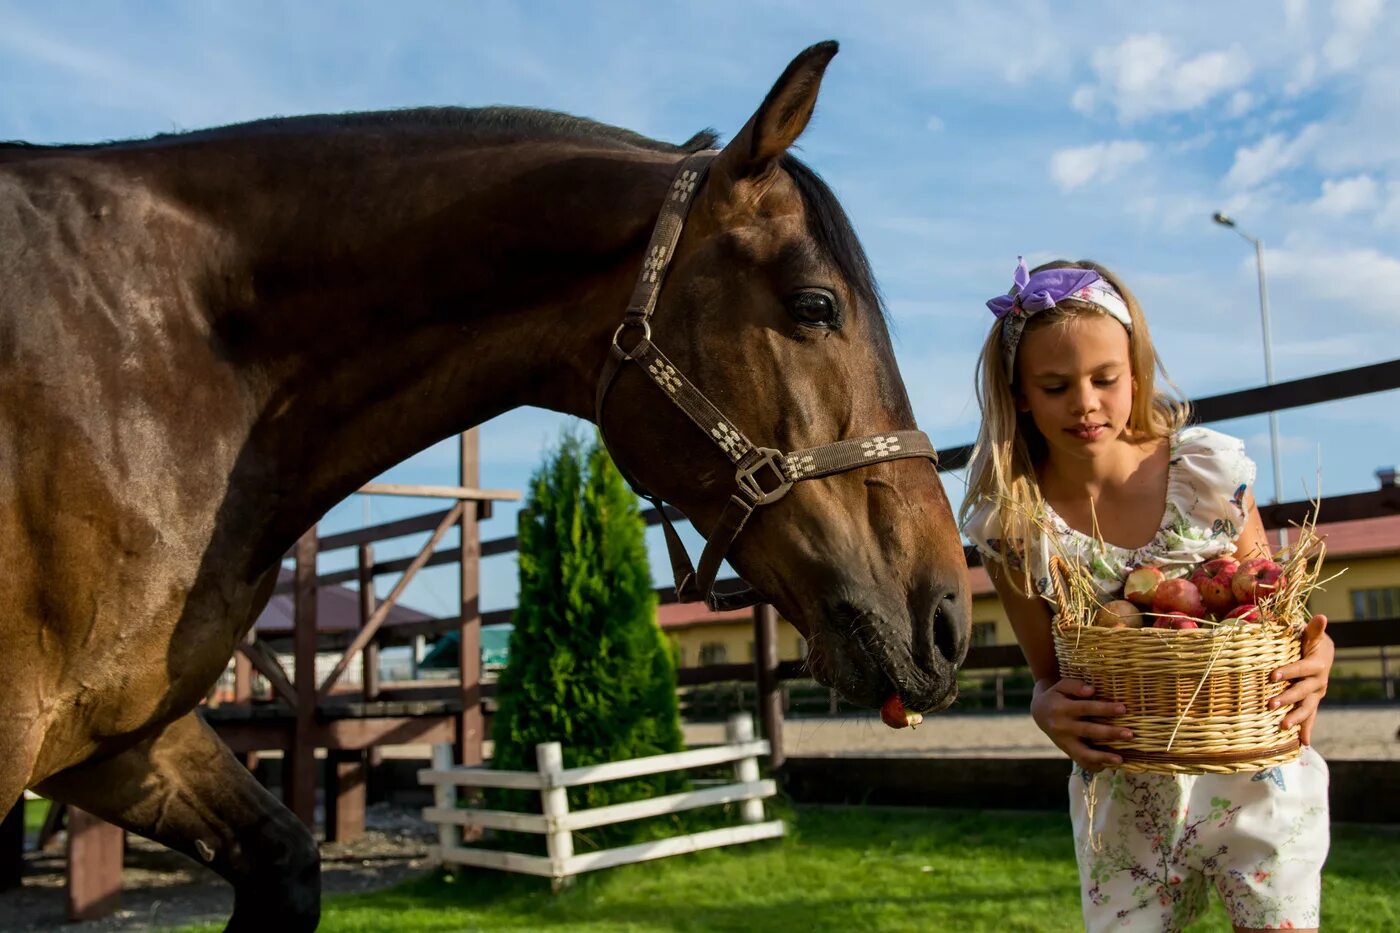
(557, 823)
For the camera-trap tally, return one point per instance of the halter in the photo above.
(763, 475)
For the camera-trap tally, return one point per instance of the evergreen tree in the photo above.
(589, 666)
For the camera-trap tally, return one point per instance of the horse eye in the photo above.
(813, 307)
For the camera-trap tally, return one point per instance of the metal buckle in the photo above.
(643, 323)
(746, 477)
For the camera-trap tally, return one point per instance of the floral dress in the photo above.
(1150, 846)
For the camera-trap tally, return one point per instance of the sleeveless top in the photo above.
(1208, 474)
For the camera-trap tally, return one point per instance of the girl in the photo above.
(1078, 445)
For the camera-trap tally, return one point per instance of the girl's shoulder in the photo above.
(1208, 479)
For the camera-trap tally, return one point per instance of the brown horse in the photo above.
(210, 338)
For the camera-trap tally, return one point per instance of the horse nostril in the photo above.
(949, 632)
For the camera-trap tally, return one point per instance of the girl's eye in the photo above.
(814, 307)
(1052, 390)
(1106, 382)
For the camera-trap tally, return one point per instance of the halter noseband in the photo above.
(763, 475)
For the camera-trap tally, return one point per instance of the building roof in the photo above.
(337, 611)
(683, 615)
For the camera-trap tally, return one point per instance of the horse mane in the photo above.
(510, 123)
(826, 220)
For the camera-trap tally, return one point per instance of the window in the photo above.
(712, 652)
(1376, 604)
(983, 634)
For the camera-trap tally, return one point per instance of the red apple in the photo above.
(1118, 614)
(1257, 578)
(1141, 586)
(1245, 613)
(1179, 595)
(1175, 620)
(894, 715)
(1214, 579)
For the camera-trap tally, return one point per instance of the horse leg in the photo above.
(183, 788)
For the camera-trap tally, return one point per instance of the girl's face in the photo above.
(1077, 383)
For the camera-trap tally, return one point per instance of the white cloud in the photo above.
(1347, 195)
(1073, 168)
(934, 124)
(1388, 216)
(1239, 104)
(1272, 155)
(1355, 20)
(1361, 280)
(1145, 75)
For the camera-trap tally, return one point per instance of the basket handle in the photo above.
(1059, 583)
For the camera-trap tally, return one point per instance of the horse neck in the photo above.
(381, 302)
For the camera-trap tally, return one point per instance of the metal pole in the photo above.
(1269, 379)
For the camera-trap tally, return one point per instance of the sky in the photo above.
(958, 135)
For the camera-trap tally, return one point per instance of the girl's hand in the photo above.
(1059, 709)
(1309, 675)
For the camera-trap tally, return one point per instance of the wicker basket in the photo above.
(1197, 699)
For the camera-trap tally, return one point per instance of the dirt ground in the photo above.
(162, 889)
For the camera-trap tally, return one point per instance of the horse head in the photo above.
(764, 305)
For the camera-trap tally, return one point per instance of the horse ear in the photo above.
(779, 120)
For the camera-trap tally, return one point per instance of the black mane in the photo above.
(510, 122)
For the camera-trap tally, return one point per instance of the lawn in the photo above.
(843, 869)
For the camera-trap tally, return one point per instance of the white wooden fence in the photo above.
(557, 823)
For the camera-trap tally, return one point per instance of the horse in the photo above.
(209, 338)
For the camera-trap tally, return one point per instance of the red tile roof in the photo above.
(681, 615)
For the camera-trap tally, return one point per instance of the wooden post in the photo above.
(345, 785)
(470, 727)
(12, 846)
(740, 729)
(243, 692)
(445, 798)
(770, 701)
(1387, 682)
(299, 763)
(559, 843)
(94, 866)
(369, 676)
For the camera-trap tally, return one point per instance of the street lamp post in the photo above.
(1226, 221)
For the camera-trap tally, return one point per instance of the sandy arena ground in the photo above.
(1342, 733)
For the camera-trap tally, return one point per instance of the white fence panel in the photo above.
(557, 823)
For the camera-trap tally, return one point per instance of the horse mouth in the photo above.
(868, 661)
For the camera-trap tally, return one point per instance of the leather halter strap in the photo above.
(763, 475)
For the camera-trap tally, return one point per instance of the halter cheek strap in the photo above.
(763, 475)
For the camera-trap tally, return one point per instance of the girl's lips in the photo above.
(1087, 432)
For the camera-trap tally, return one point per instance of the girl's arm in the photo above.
(1059, 705)
(1310, 673)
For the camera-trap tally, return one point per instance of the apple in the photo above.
(1214, 579)
(1178, 595)
(1246, 613)
(1141, 586)
(1175, 620)
(894, 715)
(1257, 578)
(1118, 614)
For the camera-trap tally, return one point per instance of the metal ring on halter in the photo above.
(748, 481)
(644, 324)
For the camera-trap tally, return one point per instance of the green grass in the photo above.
(34, 813)
(840, 870)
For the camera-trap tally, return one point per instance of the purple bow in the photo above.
(1039, 292)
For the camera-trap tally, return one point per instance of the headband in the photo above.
(1031, 294)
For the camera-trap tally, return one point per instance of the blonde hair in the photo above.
(1010, 449)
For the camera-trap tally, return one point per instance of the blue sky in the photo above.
(958, 135)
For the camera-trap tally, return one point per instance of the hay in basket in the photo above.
(1197, 698)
